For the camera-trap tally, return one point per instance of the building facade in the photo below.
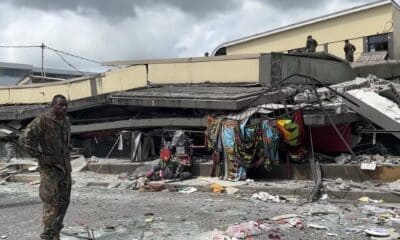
(373, 27)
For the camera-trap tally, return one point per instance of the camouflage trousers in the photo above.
(55, 192)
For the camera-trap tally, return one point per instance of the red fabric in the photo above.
(165, 154)
(298, 118)
(326, 139)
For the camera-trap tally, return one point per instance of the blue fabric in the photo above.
(228, 136)
(246, 132)
(271, 140)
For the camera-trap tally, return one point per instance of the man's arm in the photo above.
(29, 141)
(29, 138)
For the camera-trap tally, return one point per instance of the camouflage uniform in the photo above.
(311, 45)
(349, 50)
(48, 139)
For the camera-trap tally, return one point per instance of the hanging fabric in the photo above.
(271, 140)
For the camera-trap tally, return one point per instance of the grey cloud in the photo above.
(124, 8)
(290, 5)
(121, 9)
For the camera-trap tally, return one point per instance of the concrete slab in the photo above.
(375, 108)
(140, 123)
(212, 98)
(385, 173)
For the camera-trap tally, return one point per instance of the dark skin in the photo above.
(60, 107)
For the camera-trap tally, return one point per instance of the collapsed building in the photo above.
(244, 111)
(240, 113)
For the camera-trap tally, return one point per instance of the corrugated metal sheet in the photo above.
(373, 56)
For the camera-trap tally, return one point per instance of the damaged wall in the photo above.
(228, 71)
(278, 66)
(232, 70)
(117, 80)
(386, 69)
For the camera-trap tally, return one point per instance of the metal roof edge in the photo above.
(307, 22)
(395, 4)
(181, 60)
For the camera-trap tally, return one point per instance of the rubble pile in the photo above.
(372, 220)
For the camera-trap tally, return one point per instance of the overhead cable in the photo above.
(20, 46)
(72, 66)
(72, 55)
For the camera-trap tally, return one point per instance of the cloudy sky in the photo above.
(105, 30)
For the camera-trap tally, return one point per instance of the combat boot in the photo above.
(46, 236)
(56, 237)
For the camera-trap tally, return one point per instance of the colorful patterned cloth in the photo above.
(271, 140)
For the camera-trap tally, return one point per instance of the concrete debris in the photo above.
(366, 199)
(344, 187)
(79, 164)
(114, 185)
(239, 231)
(231, 190)
(317, 226)
(393, 235)
(368, 166)
(123, 176)
(394, 222)
(188, 190)
(331, 234)
(285, 216)
(152, 187)
(265, 197)
(394, 186)
(353, 230)
(140, 182)
(343, 158)
(380, 110)
(324, 197)
(377, 232)
(379, 159)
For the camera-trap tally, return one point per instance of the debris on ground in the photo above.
(79, 164)
(265, 197)
(188, 190)
(217, 188)
(231, 190)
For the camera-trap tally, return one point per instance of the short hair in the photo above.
(58, 96)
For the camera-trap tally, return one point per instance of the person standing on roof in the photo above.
(47, 138)
(349, 50)
(311, 44)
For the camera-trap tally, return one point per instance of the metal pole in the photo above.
(42, 47)
(316, 172)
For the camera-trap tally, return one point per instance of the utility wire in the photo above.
(20, 46)
(76, 69)
(60, 53)
(72, 55)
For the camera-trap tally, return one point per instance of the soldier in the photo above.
(47, 138)
(311, 44)
(349, 50)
